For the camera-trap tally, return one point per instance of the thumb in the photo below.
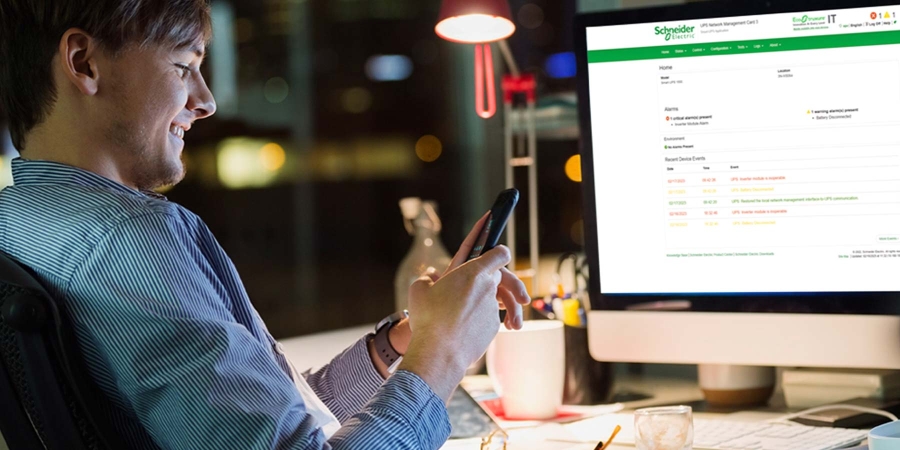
(495, 259)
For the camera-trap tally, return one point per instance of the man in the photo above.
(100, 94)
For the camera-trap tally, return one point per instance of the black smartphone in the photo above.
(493, 228)
(496, 223)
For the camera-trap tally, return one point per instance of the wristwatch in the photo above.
(388, 354)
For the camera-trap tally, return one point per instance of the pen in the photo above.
(539, 308)
(602, 446)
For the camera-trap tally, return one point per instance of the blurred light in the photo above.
(388, 67)
(224, 60)
(272, 156)
(356, 100)
(531, 16)
(475, 21)
(560, 65)
(332, 162)
(371, 157)
(577, 232)
(428, 242)
(276, 90)
(475, 28)
(384, 157)
(240, 163)
(573, 168)
(429, 148)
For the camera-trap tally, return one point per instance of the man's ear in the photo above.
(78, 60)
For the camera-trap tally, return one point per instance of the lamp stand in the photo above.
(520, 150)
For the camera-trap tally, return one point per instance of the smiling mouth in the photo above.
(177, 130)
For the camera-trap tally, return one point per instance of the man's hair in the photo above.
(30, 31)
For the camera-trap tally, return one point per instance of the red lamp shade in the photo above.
(475, 21)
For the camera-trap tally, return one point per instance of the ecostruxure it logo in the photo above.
(678, 32)
(808, 19)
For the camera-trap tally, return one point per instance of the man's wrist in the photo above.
(399, 336)
(441, 370)
(390, 342)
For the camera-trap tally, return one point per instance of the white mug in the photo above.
(885, 437)
(528, 367)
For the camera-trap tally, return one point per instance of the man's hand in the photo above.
(511, 293)
(454, 318)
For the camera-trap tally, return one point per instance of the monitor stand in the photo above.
(736, 386)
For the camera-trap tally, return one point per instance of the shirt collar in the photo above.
(34, 172)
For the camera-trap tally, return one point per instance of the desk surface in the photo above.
(313, 351)
(664, 391)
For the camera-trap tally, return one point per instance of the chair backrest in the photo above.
(48, 401)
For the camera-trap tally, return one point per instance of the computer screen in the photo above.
(741, 180)
(745, 154)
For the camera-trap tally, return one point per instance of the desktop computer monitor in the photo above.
(741, 171)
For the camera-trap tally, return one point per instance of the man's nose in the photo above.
(201, 101)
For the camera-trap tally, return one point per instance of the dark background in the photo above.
(318, 240)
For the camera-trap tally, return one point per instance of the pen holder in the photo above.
(587, 382)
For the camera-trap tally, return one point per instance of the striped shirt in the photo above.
(169, 335)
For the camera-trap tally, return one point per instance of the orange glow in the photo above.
(475, 28)
(272, 156)
(429, 148)
(573, 168)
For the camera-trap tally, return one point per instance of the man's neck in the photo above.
(70, 149)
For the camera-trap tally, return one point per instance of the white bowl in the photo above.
(885, 437)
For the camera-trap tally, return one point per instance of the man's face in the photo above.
(153, 96)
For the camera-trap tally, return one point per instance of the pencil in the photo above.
(602, 446)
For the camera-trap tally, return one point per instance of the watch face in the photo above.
(393, 318)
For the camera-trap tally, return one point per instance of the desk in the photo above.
(664, 391)
(315, 350)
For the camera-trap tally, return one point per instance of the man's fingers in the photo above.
(515, 286)
(468, 243)
(513, 308)
(494, 260)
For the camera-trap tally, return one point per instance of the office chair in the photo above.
(47, 402)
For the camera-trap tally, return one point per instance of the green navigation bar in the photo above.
(744, 47)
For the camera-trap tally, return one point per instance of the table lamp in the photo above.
(478, 22)
(482, 22)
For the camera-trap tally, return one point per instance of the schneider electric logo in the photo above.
(808, 19)
(679, 32)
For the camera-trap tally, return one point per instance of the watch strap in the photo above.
(383, 346)
(386, 352)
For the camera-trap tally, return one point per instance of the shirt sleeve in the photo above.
(348, 382)
(165, 343)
